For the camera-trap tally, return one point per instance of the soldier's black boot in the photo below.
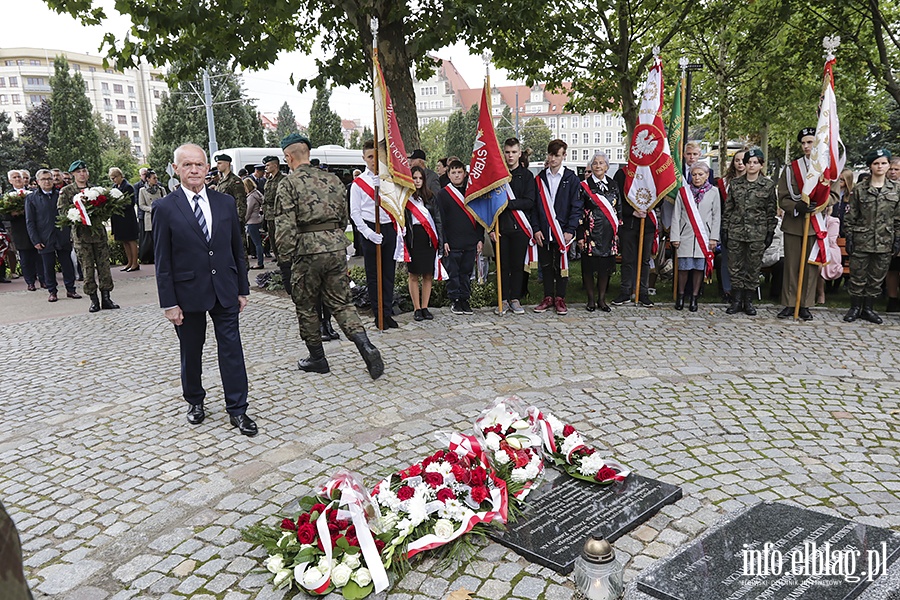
(679, 302)
(95, 303)
(737, 302)
(369, 353)
(106, 302)
(867, 313)
(749, 309)
(323, 332)
(855, 309)
(316, 361)
(329, 328)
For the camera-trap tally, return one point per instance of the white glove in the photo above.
(373, 237)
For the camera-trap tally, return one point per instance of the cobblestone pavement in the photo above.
(117, 497)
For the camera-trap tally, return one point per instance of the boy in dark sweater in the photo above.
(463, 238)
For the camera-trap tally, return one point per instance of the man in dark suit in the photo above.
(51, 243)
(200, 268)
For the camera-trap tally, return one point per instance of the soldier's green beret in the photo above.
(295, 138)
(224, 157)
(805, 132)
(876, 154)
(78, 164)
(755, 152)
(270, 159)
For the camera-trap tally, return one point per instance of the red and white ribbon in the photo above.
(531, 257)
(422, 216)
(399, 248)
(537, 418)
(556, 231)
(82, 211)
(604, 205)
(699, 227)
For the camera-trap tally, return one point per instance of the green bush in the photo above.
(116, 252)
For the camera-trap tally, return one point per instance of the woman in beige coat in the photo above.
(691, 257)
(151, 192)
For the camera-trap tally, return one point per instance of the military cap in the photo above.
(295, 138)
(755, 152)
(270, 158)
(805, 132)
(78, 164)
(876, 154)
(224, 157)
(417, 154)
(259, 166)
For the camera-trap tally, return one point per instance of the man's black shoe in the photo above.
(467, 308)
(245, 424)
(621, 299)
(457, 308)
(787, 312)
(805, 314)
(646, 302)
(196, 414)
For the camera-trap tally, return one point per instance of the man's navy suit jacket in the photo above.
(191, 272)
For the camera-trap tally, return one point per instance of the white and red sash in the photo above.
(460, 200)
(400, 248)
(531, 252)
(608, 209)
(818, 253)
(423, 217)
(693, 214)
(652, 216)
(556, 231)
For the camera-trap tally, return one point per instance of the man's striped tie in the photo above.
(199, 215)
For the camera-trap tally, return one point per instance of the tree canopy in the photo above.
(324, 124)
(73, 133)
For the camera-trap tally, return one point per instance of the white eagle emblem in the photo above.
(644, 144)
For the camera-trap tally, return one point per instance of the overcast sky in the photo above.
(270, 88)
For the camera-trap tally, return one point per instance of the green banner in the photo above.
(676, 136)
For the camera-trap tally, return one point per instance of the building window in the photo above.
(585, 138)
(16, 99)
(564, 137)
(123, 134)
(534, 108)
(156, 93)
(105, 87)
(34, 63)
(134, 120)
(584, 154)
(574, 121)
(117, 88)
(35, 80)
(585, 121)
(120, 104)
(110, 71)
(596, 137)
(552, 122)
(537, 96)
(609, 137)
(92, 69)
(598, 120)
(574, 137)
(609, 120)
(133, 106)
(10, 63)
(13, 82)
(621, 136)
(21, 62)
(76, 67)
(4, 99)
(137, 149)
(2, 82)
(109, 118)
(123, 120)
(131, 90)
(107, 104)
(562, 122)
(620, 154)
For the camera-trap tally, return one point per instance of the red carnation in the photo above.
(478, 475)
(288, 524)
(605, 474)
(439, 455)
(479, 493)
(319, 508)
(461, 474)
(568, 430)
(414, 470)
(379, 545)
(306, 533)
(405, 493)
(304, 518)
(445, 494)
(434, 478)
(451, 457)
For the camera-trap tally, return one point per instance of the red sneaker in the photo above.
(561, 306)
(544, 305)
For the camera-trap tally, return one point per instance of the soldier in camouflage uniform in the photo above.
(91, 243)
(873, 236)
(310, 219)
(274, 175)
(231, 184)
(12, 579)
(749, 219)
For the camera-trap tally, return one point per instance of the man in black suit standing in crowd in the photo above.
(200, 268)
(51, 243)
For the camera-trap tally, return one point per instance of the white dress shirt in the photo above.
(362, 207)
(205, 208)
(553, 182)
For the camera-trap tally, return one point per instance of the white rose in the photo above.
(281, 577)
(362, 577)
(73, 215)
(275, 563)
(352, 560)
(502, 458)
(115, 193)
(443, 529)
(91, 194)
(324, 565)
(341, 575)
(492, 441)
(306, 577)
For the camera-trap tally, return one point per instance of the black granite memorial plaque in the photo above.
(562, 511)
(775, 551)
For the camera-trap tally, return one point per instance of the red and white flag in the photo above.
(396, 184)
(826, 160)
(650, 173)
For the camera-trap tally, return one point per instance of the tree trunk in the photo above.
(629, 108)
(722, 89)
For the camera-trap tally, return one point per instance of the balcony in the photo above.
(30, 88)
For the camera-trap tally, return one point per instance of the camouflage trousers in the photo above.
(12, 580)
(744, 263)
(323, 275)
(867, 272)
(94, 258)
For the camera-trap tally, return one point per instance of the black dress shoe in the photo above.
(787, 312)
(245, 424)
(426, 314)
(805, 314)
(604, 307)
(418, 316)
(31, 287)
(73, 295)
(590, 307)
(391, 323)
(196, 414)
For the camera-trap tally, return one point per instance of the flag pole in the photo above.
(486, 57)
(683, 63)
(379, 311)
(802, 266)
(637, 283)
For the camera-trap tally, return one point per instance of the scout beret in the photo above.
(80, 164)
(270, 159)
(295, 138)
(805, 132)
(876, 154)
(417, 154)
(224, 157)
(755, 152)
